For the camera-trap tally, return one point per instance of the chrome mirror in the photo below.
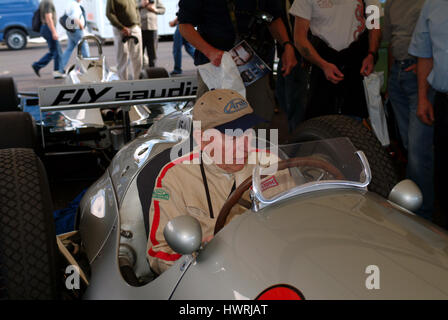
(407, 195)
(183, 234)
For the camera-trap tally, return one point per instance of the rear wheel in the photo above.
(384, 175)
(17, 130)
(16, 39)
(154, 73)
(28, 252)
(10, 99)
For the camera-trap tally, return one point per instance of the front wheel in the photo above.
(384, 175)
(16, 39)
(28, 252)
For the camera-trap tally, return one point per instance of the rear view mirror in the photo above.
(183, 234)
(407, 195)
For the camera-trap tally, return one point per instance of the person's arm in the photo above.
(174, 22)
(194, 38)
(166, 204)
(160, 7)
(425, 110)
(111, 15)
(307, 50)
(374, 44)
(278, 31)
(50, 24)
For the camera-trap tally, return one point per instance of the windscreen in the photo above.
(310, 166)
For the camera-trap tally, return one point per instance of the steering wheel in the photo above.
(284, 164)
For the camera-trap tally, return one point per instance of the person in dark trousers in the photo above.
(149, 10)
(178, 42)
(222, 24)
(291, 90)
(341, 49)
(430, 44)
(48, 32)
(400, 18)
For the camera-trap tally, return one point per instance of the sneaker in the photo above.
(175, 72)
(58, 75)
(36, 70)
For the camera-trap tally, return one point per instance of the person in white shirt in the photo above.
(341, 50)
(75, 13)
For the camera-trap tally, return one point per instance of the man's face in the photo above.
(230, 153)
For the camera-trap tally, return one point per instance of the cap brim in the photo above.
(243, 123)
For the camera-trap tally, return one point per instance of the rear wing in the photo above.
(116, 93)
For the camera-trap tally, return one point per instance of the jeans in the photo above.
(291, 93)
(55, 52)
(73, 40)
(178, 41)
(416, 136)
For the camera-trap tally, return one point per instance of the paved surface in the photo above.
(17, 64)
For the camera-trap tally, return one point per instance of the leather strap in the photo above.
(207, 191)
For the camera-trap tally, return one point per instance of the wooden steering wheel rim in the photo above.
(284, 164)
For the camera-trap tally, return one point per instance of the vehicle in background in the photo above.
(15, 22)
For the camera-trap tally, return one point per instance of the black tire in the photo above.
(16, 39)
(154, 73)
(17, 130)
(384, 175)
(28, 251)
(10, 98)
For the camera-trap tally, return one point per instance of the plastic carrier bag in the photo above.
(226, 76)
(372, 89)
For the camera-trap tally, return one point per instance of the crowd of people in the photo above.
(325, 50)
(135, 36)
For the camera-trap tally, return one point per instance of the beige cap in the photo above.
(220, 106)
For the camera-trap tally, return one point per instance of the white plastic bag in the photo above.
(226, 76)
(372, 89)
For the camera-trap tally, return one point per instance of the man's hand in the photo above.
(55, 36)
(151, 7)
(289, 60)
(173, 23)
(144, 3)
(332, 73)
(367, 65)
(425, 111)
(215, 56)
(126, 31)
(412, 68)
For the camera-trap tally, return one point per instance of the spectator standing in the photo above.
(430, 44)
(342, 51)
(125, 19)
(149, 9)
(178, 42)
(220, 26)
(76, 13)
(48, 32)
(291, 90)
(400, 18)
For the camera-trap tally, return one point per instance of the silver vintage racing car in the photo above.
(330, 234)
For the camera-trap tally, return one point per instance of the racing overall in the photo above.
(180, 190)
